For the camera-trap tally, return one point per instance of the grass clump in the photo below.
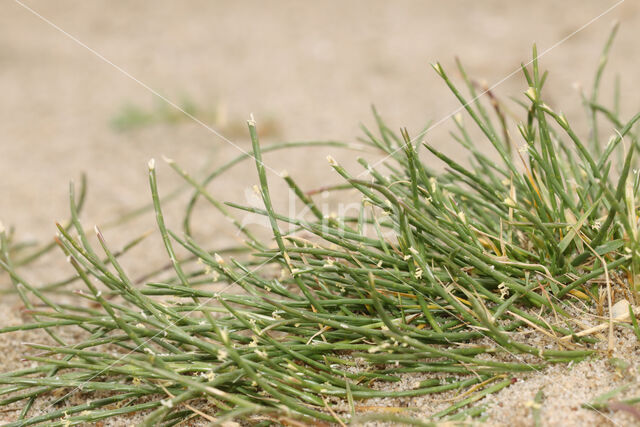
(436, 275)
(131, 117)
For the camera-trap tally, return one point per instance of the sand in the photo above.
(309, 71)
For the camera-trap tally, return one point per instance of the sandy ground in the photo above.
(305, 70)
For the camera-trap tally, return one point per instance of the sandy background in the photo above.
(305, 70)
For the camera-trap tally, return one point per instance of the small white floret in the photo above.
(219, 259)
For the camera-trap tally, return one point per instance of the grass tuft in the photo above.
(436, 275)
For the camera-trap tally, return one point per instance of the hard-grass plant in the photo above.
(435, 276)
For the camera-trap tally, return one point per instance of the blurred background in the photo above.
(306, 70)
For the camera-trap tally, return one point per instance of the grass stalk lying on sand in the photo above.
(434, 265)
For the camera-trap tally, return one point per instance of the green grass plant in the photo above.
(436, 275)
